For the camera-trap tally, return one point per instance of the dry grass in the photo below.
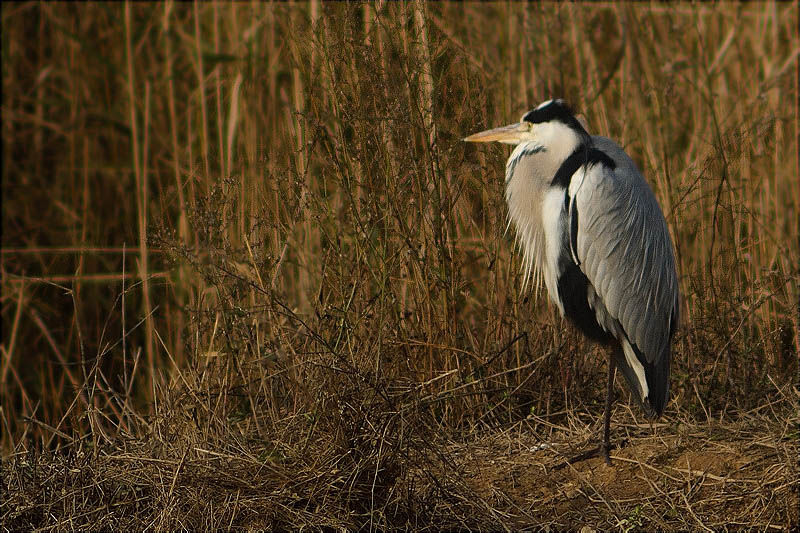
(715, 476)
(251, 277)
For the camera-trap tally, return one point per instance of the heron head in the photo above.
(551, 123)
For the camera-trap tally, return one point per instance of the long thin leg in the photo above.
(606, 446)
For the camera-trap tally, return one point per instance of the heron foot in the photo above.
(600, 451)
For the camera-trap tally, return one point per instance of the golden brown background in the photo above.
(252, 277)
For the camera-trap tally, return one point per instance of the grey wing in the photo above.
(625, 251)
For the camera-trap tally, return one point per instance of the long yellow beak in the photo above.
(505, 134)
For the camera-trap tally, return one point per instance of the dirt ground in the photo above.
(711, 476)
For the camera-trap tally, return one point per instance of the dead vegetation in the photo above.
(713, 476)
(252, 279)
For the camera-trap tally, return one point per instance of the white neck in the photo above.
(529, 171)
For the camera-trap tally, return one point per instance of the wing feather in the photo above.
(625, 251)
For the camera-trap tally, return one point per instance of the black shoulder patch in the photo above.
(569, 167)
(598, 156)
(581, 156)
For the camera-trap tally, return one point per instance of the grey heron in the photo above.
(589, 224)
